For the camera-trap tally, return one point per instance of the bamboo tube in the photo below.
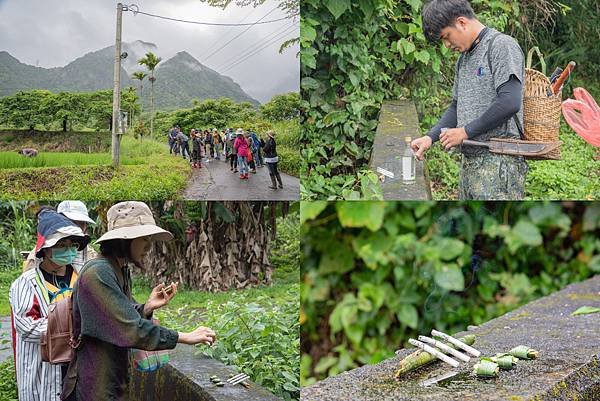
(505, 361)
(457, 343)
(486, 368)
(421, 358)
(435, 353)
(524, 352)
(445, 348)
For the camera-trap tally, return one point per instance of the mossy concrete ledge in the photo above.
(398, 120)
(187, 378)
(567, 369)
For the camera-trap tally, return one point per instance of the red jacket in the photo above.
(241, 146)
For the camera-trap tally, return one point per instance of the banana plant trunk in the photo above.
(211, 254)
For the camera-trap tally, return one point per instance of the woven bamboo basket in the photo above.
(541, 114)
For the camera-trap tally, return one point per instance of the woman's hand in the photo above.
(159, 297)
(200, 335)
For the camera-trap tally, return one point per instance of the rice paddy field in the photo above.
(45, 159)
(146, 172)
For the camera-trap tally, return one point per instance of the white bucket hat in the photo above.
(131, 219)
(239, 131)
(74, 210)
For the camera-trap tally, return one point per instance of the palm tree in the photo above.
(140, 75)
(151, 61)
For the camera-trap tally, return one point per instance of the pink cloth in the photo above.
(241, 146)
(583, 115)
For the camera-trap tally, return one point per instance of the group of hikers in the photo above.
(107, 323)
(244, 150)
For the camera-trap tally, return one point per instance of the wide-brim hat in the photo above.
(74, 210)
(130, 220)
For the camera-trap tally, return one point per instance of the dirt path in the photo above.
(214, 181)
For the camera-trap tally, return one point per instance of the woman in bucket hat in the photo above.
(50, 279)
(77, 212)
(105, 317)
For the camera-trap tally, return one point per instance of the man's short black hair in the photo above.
(440, 14)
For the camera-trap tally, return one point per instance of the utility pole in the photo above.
(116, 125)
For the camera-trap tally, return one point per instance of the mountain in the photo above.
(179, 80)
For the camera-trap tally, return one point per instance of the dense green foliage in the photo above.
(55, 141)
(66, 110)
(8, 387)
(281, 107)
(103, 182)
(354, 55)
(375, 274)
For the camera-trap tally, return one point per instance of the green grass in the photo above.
(44, 159)
(6, 279)
(158, 176)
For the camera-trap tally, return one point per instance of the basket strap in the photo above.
(540, 56)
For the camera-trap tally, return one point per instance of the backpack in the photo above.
(57, 343)
(489, 59)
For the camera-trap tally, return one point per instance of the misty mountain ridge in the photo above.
(179, 79)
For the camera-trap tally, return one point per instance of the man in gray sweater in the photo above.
(487, 101)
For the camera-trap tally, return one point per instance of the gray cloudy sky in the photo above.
(52, 33)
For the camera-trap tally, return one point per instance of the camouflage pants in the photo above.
(492, 177)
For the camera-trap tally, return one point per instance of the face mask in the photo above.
(64, 256)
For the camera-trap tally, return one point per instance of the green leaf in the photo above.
(361, 214)
(309, 83)
(585, 310)
(523, 233)
(408, 315)
(406, 46)
(337, 7)
(335, 117)
(372, 292)
(423, 56)
(338, 260)
(450, 248)
(594, 264)
(450, 278)
(307, 33)
(366, 7)
(310, 210)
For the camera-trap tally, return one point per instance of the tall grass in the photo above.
(49, 159)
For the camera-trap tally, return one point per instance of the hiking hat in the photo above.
(52, 227)
(74, 210)
(132, 219)
(271, 133)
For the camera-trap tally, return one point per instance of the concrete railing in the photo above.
(568, 366)
(398, 120)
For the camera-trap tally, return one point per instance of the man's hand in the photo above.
(453, 137)
(420, 145)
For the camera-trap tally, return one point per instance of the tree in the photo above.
(282, 107)
(218, 245)
(151, 61)
(139, 75)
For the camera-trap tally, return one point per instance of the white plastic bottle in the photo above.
(409, 163)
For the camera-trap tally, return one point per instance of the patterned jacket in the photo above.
(29, 300)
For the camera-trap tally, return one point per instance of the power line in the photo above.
(253, 46)
(214, 44)
(135, 10)
(257, 51)
(237, 36)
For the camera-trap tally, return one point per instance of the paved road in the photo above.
(214, 181)
(5, 338)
